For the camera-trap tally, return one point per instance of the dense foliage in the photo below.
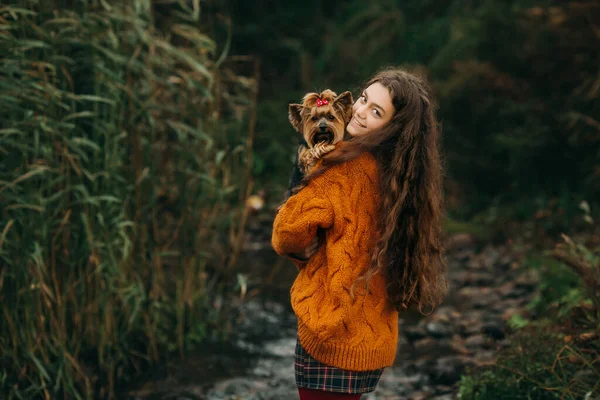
(517, 83)
(123, 141)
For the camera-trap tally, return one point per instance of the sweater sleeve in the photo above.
(298, 219)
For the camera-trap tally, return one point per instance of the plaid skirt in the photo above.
(313, 374)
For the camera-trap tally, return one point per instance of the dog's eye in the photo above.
(331, 117)
(314, 118)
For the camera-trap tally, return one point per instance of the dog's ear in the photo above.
(345, 99)
(344, 102)
(295, 116)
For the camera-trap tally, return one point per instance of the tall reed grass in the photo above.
(125, 145)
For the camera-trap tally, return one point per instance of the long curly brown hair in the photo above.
(409, 249)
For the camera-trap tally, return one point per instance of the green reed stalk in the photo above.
(119, 182)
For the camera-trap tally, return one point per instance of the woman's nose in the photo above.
(360, 111)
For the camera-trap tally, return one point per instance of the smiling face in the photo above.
(371, 111)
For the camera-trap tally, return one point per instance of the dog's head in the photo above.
(322, 117)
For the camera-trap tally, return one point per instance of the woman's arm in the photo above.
(295, 226)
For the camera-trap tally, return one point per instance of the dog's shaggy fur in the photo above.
(321, 126)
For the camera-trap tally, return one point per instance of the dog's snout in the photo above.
(323, 125)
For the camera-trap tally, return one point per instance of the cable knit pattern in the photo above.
(359, 334)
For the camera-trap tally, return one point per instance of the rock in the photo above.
(486, 301)
(466, 294)
(448, 370)
(463, 255)
(443, 397)
(490, 255)
(414, 332)
(509, 312)
(438, 330)
(458, 345)
(509, 290)
(423, 395)
(476, 278)
(394, 384)
(528, 279)
(475, 341)
(443, 389)
(414, 380)
(505, 260)
(475, 263)
(494, 329)
(460, 241)
(402, 343)
(281, 348)
(235, 386)
(487, 356)
(425, 344)
(484, 278)
(470, 323)
(424, 363)
(484, 260)
(445, 314)
(262, 372)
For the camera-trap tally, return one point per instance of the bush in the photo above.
(536, 366)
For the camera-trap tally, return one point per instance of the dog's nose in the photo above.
(323, 126)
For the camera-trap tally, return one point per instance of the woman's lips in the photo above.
(355, 121)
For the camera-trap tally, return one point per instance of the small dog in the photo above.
(322, 120)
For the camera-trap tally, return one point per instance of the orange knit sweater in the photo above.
(354, 334)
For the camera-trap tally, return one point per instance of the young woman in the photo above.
(369, 219)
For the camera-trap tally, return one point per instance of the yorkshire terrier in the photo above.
(322, 120)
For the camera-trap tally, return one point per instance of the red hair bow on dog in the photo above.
(322, 102)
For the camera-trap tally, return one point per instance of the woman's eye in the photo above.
(314, 118)
(363, 99)
(331, 117)
(376, 112)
